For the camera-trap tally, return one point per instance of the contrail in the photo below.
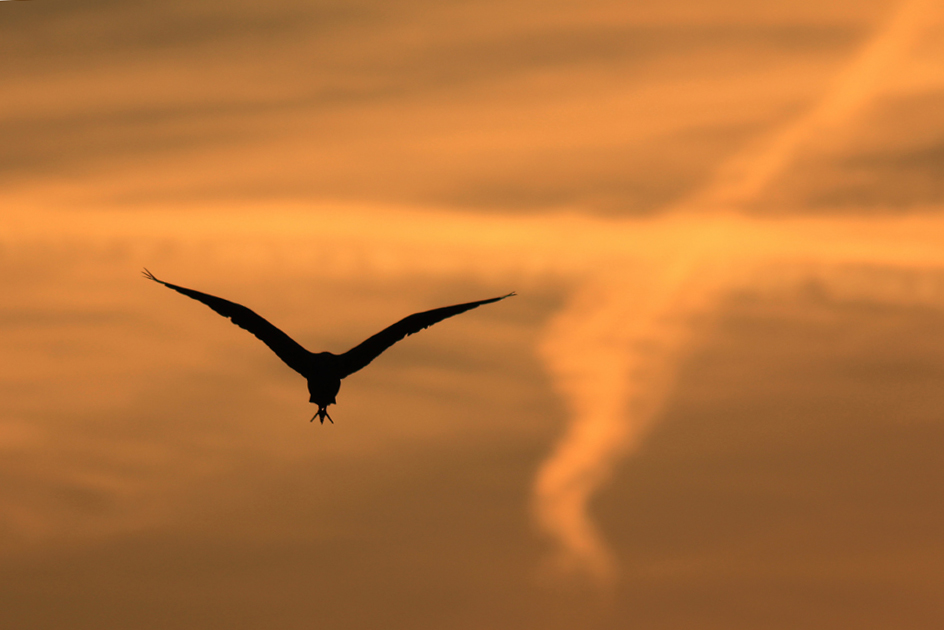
(742, 179)
(614, 350)
(607, 353)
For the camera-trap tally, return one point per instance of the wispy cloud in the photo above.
(615, 348)
(641, 285)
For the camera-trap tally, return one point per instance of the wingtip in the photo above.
(150, 276)
(512, 294)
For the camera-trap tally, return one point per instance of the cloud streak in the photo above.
(642, 285)
(615, 349)
(610, 353)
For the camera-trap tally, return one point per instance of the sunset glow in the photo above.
(712, 403)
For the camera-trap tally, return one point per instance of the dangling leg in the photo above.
(322, 413)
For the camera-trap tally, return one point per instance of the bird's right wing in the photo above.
(287, 349)
(362, 354)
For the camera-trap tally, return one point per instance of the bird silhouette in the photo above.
(323, 370)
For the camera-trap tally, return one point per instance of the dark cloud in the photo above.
(798, 463)
(168, 92)
(891, 158)
(792, 481)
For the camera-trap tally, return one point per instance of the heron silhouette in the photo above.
(323, 370)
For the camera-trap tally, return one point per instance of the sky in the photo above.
(714, 402)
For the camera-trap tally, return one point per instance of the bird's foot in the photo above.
(322, 413)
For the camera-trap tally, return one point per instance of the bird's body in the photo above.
(324, 381)
(323, 370)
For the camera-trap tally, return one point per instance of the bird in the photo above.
(323, 370)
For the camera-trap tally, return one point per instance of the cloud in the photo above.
(641, 286)
(498, 106)
(613, 356)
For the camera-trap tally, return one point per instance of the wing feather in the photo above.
(361, 355)
(287, 349)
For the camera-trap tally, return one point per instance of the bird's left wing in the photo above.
(362, 354)
(281, 344)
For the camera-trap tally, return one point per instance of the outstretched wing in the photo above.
(358, 357)
(281, 344)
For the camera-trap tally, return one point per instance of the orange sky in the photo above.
(713, 403)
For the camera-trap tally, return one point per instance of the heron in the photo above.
(323, 370)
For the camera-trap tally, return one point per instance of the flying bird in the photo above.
(323, 370)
